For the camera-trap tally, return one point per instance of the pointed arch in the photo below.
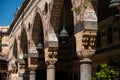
(15, 49)
(56, 13)
(24, 41)
(66, 18)
(38, 37)
(37, 30)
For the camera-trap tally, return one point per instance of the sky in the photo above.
(7, 10)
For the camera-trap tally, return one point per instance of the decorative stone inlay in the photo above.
(90, 15)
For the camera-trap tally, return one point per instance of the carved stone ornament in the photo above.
(34, 55)
(33, 61)
(50, 64)
(52, 55)
(21, 66)
(88, 39)
(85, 54)
(14, 68)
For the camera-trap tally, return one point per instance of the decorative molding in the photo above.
(85, 53)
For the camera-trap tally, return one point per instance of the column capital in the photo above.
(85, 46)
(32, 72)
(21, 74)
(51, 66)
(85, 54)
(86, 61)
(32, 68)
(50, 62)
(14, 68)
(50, 56)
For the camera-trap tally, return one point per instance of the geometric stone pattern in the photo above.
(38, 21)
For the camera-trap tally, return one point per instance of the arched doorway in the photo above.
(38, 37)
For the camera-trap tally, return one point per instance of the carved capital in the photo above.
(21, 66)
(85, 40)
(50, 64)
(33, 63)
(32, 72)
(33, 68)
(51, 56)
(21, 74)
(85, 54)
(86, 61)
(14, 68)
(88, 39)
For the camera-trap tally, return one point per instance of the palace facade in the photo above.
(62, 39)
(4, 50)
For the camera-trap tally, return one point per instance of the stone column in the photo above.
(33, 71)
(21, 76)
(33, 63)
(32, 75)
(50, 71)
(85, 69)
(50, 59)
(85, 64)
(21, 69)
(85, 33)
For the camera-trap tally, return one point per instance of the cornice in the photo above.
(25, 3)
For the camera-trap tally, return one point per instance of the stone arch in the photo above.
(66, 51)
(38, 37)
(66, 18)
(56, 13)
(37, 30)
(24, 41)
(15, 49)
(67, 21)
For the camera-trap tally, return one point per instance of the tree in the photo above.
(106, 72)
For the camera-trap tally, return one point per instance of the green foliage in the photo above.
(83, 6)
(106, 73)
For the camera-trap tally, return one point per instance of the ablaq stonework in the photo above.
(49, 41)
